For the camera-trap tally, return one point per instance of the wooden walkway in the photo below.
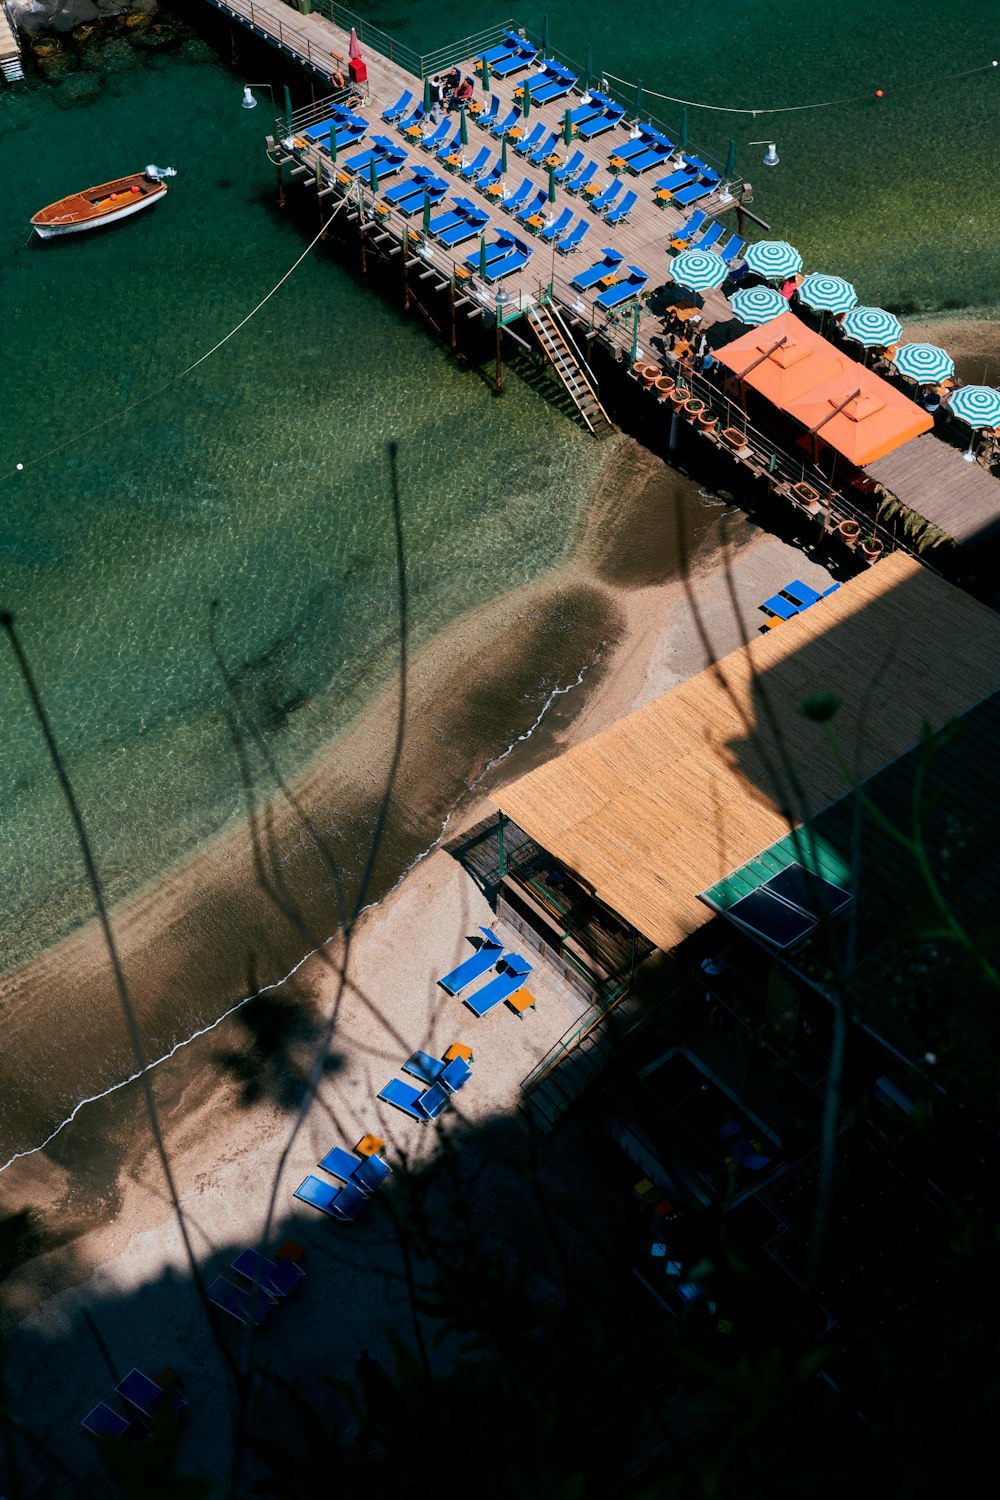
(10, 52)
(643, 239)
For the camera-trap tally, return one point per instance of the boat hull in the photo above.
(98, 206)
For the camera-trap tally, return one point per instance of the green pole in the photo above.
(638, 98)
(682, 143)
(463, 128)
(635, 332)
(288, 111)
(730, 161)
(333, 143)
(588, 68)
(545, 34)
(526, 100)
(486, 76)
(503, 861)
(568, 127)
(552, 184)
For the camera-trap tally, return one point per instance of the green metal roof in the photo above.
(803, 846)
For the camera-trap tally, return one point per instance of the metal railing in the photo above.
(305, 47)
(420, 65)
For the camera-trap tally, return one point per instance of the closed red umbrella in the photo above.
(354, 46)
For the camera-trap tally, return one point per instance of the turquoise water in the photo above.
(259, 481)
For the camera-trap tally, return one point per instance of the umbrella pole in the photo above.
(499, 376)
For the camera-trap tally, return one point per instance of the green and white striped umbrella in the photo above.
(773, 258)
(696, 270)
(827, 293)
(978, 405)
(924, 362)
(872, 326)
(757, 304)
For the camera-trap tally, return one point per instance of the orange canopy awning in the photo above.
(802, 374)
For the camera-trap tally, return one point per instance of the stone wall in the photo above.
(35, 16)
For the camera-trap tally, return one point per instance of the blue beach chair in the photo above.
(570, 242)
(432, 141)
(473, 224)
(440, 223)
(246, 1307)
(532, 207)
(372, 1173)
(801, 594)
(449, 148)
(502, 49)
(395, 111)
(414, 118)
(495, 251)
(104, 1422)
(544, 149)
(148, 1396)
(583, 178)
(278, 1277)
(601, 268)
(501, 988)
(585, 112)
(411, 185)
(557, 227)
(508, 122)
(713, 234)
(623, 209)
(518, 198)
(631, 286)
(340, 1163)
(434, 190)
(486, 117)
(421, 1065)
(403, 1096)
(783, 608)
(604, 200)
(691, 194)
(572, 164)
(655, 157)
(611, 116)
(733, 248)
(528, 143)
(674, 180)
(687, 232)
(492, 177)
(515, 260)
(642, 142)
(525, 55)
(475, 166)
(492, 947)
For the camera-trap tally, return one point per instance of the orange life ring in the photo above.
(337, 79)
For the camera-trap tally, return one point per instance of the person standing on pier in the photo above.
(437, 97)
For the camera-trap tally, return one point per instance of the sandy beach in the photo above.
(614, 627)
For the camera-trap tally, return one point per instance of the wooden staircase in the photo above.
(10, 52)
(557, 345)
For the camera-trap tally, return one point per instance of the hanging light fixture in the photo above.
(771, 157)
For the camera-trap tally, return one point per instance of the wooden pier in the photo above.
(590, 349)
(10, 51)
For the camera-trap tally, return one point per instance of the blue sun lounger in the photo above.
(502, 49)
(475, 166)
(496, 270)
(403, 1096)
(147, 1396)
(339, 1202)
(783, 608)
(448, 148)
(246, 1307)
(642, 142)
(530, 141)
(278, 1277)
(623, 209)
(801, 594)
(604, 200)
(733, 248)
(585, 112)
(473, 224)
(421, 1065)
(654, 157)
(673, 181)
(432, 142)
(583, 178)
(691, 194)
(544, 149)
(340, 1163)
(612, 115)
(371, 1174)
(515, 61)
(623, 290)
(412, 119)
(501, 988)
(510, 119)
(517, 198)
(569, 242)
(450, 219)
(713, 234)
(411, 185)
(595, 273)
(455, 1075)
(572, 164)
(490, 178)
(495, 251)
(533, 206)
(687, 231)
(557, 227)
(434, 189)
(381, 148)
(395, 111)
(103, 1421)
(492, 947)
(486, 117)
(560, 82)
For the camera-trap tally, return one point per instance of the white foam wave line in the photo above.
(276, 984)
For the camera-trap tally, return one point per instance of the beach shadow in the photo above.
(274, 1052)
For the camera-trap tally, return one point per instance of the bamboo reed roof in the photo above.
(668, 800)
